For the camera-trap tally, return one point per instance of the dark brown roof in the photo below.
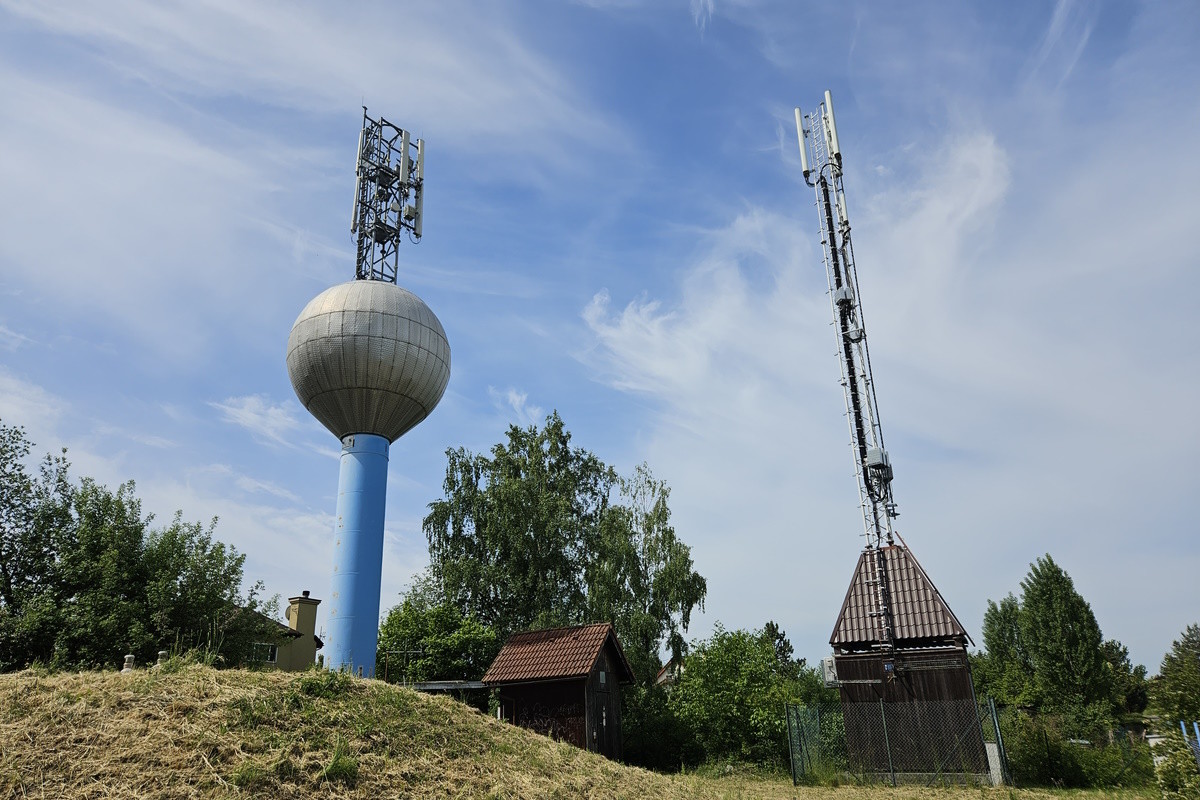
(920, 615)
(554, 654)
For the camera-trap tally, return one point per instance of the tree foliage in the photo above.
(1177, 773)
(84, 579)
(35, 511)
(539, 533)
(732, 690)
(641, 576)
(1007, 671)
(1176, 689)
(1062, 638)
(424, 638)
(1046, 651)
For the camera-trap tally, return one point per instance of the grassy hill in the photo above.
(189, 731)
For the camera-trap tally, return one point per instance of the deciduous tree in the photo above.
(1062, 638)
(34, 512)
(85, 580)
(540, 533)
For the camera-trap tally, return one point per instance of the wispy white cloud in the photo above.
(29, 405)
(10, 340)
(463, 75)
(1063, 43)
(266, 421)
(248, 484)
(702, 11)
(165, 209)
(256, 485)
(745, 307)
(137, 436)
(513, 402)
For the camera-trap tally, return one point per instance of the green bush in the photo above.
(731, 695)
(1042, 753)
(654, 735)
(1177, 774)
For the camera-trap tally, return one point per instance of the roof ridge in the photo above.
(563, 628)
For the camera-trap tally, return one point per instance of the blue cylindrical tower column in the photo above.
(353, 626)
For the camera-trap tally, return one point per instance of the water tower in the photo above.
(369, 360)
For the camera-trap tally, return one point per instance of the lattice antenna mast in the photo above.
(821, 161)
(389, 188)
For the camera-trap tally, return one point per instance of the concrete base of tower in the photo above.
(352, 631)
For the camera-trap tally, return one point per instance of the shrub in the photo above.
(1178, 776)
(1041, 752)
(654, 735)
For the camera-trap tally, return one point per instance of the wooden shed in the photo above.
(922, 684)
(565, 683)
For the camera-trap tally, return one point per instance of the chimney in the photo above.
(302, 614)
(302, 618)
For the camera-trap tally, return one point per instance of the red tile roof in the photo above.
(554, 654)
(920, 616)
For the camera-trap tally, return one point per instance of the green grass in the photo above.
(196, 732)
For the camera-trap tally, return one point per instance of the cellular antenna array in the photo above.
(821, 163)
(389, 189)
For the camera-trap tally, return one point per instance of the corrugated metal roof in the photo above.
(920, 615)
(553, 654)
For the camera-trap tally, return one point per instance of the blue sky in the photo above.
(616, 227)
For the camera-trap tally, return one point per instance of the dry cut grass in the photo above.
(195, 732)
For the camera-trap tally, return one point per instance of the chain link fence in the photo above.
(921, 742)
(1193, 744)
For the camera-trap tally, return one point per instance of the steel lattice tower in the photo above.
(821, 162)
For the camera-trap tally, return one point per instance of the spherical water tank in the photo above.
(368, 357)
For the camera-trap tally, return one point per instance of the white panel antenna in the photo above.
(803, 148)
(834, 148)
(404, 157)
(357, 180)
(420, 199)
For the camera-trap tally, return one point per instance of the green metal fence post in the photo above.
(787, 713)
(1005, 775)
(886, 743)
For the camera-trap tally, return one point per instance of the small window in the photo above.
(265, 652)
(603, 676)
